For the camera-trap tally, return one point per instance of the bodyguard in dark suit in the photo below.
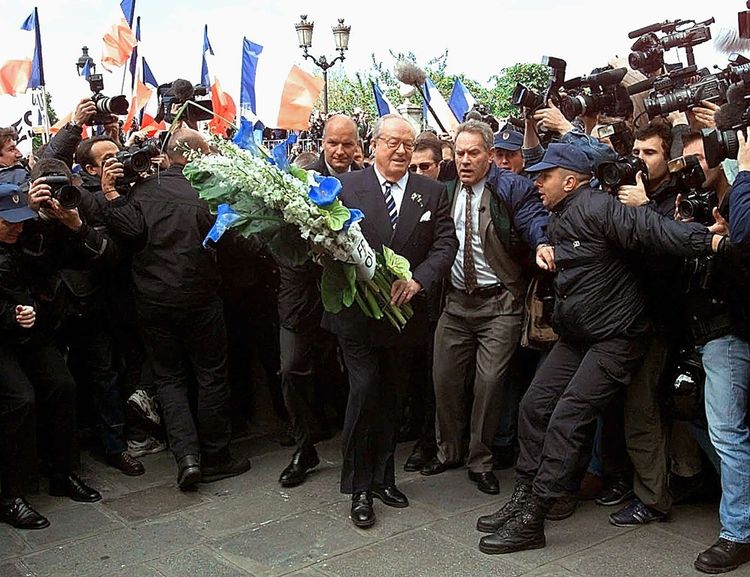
(410, 214)
(300, 312)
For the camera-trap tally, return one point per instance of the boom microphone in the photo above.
(731, 114)
(409, 73)
(183, 90)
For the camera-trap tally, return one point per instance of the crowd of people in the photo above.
(564, 324)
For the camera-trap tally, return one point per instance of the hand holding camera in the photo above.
(69, 217)
(743, 151)
(633, 195)
(84, 111)
(552, 119)
(112, 170)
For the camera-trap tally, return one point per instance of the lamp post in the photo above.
(341, 38)
(83, 60)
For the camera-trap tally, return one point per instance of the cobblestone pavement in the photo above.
(250, 526)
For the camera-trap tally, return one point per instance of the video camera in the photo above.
(697, 204)
(606, 94)
(174, 94)
(106, 106)
(680, 90)
(612, 174)
(525, 97)
(620, 136)
(647, 54)
(136, 159)
(481, 112)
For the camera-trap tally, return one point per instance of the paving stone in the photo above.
(15, 569)
(72, 522)
(452, 492)
(11, 542)
(140, 570)
(290, 544)
(643, 551)
(551, 570)
(697, 522)
(418, 553)
(198, 561)
(587, 526)
(115, 550)
(153, 502)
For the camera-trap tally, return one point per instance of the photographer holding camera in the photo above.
(33, 375)
(720, 322)
(73, 256)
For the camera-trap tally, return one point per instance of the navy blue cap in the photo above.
(560, 155)
(13, 206)
(508, 140)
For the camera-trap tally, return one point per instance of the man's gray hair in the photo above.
(477, 127)
(378, 128)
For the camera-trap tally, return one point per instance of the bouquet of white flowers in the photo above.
(298, 215)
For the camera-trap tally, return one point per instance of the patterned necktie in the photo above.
(390, 204)
(470, 271)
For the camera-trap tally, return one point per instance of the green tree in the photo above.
(36, 141)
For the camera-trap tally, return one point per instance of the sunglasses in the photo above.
(421, 166)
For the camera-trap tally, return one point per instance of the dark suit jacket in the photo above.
(427, 241)
(300, 306)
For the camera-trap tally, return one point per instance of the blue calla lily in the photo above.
(225, 218)
(245, 137)
(326, 191)
(279, 152)
(355, 215)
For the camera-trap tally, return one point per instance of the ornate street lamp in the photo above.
(83, 59)
(341, 38)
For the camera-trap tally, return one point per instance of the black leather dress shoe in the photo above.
(363, 515)
(73, 487)
(486, 482)
(21, 515)
(303, 461)
(723, 556)
(230, 468)
(127, 464)
(390, 496)
(436, 466)
(419, 457)
(188, 471)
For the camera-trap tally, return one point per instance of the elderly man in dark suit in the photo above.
(300, 312)
(410, 214)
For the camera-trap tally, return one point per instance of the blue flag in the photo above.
(250, 54)
(128, 9)
(86, 72)
(461, 100)
(205, 79)
(148, 76)
(384, 107)
(134, 54)
(37, 66)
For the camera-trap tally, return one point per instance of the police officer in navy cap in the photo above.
(506, 150)
(599, 314)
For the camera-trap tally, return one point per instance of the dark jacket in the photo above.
(164, 222)
(62, 145)
(300, 305)
(13, 291)
(739, 211)
(597, 296)
(427, 241)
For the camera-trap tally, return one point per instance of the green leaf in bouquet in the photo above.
(396, 264)
(209, 186)
(286, 244)
(337, 285)
(336, 215)
(299, 173)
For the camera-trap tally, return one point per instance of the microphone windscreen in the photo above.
(409, 73)
(182, 89)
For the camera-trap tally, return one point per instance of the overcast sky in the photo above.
(481, 37)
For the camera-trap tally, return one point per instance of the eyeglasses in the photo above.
(421, 166)
(394, 143)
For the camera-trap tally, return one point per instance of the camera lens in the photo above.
(112, 104)
(140, 161)
(68, 196)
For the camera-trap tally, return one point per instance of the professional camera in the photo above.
(606, 94)
(174, 94)
(106, 106)
(525, 97)
(63, 192)
(697, 204)
(648, 49)
(136, 159)
(481, 113)
(672, 94)
(620, 136)
(612, 174)
(686, 382)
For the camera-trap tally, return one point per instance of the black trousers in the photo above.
(377, 379)
(297, 365)
(573, 386)
(34, 384)
(186, 345)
